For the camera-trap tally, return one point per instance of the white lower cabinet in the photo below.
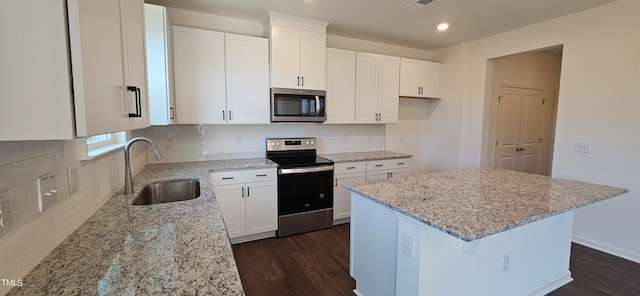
(387, 169)
(249, 203)
(350, 172)
(345, 173)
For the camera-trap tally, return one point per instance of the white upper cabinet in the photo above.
(35, 89)
(377, 79)
(247, 74)
(298, 52)
(220, 78)
(108, 65)
(161, 105)
(420, 79)
(199, 76)
(341, 86)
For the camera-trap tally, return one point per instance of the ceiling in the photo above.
(386, 21)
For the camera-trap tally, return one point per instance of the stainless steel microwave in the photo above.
(297, 105)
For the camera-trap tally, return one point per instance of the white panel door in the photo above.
(341, 196)
(431, 80)
(135, 74)
(261, 207)
(366, 87)
(95, 40)
(247, 75)
(410, 77)
(199, 68)
(341, 86)
(231, 199)
(285, 57)
(388, 83)
(313, 60)
(518, 129)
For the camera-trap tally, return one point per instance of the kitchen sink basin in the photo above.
(168, 191)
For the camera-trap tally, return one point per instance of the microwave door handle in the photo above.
(317, 104)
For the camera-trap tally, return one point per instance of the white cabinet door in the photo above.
(135, 74)
(399, 173)
(231, 199)
(285, 57)
(420, 79)
(262, 207)
(199, 68)
(157, 45)
(247, 75)
(35, 89)
(366, 88)
(341, 86)
(313, 60)
(95, 40)
(341, 196)
(388, 80)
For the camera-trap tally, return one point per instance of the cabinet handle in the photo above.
(230, 118)
(242, 191)
(391, 174)
(380, 116)
(261, 175)
(171, 113)
(388, 177)
(377, 116)
(248, 194)
(336, 182)
(350, 168)
(302, 80)
(227, 178)
(136, 90)
(400, 163)
(298, 80)
(378, 165)
(223, 116)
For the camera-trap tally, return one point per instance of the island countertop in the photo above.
(475, 203)
(179, 248)
(363, 156)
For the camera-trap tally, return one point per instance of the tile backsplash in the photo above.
(210, 142)
(35, 234)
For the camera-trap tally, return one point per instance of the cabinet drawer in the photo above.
(387, 164)
(349, 167)
(245, 176)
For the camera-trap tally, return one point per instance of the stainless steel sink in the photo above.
(168, 191)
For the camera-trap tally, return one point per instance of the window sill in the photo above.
(102, 150)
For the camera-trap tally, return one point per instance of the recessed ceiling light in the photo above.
(443, 27)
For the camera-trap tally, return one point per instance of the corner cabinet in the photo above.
(420, 79)
(248, 200)
(220, 78)
(157, 28)
(106, 40)
(377, 79)
(80, 55)
(341, 86)
(298, 52)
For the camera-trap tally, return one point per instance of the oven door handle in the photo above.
(305, 170)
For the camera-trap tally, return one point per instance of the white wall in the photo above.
(35, 234)
(598, 103)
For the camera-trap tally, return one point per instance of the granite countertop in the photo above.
(475, 203)
(179, 248)
(363, 156)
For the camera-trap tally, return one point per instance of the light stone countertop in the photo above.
(179, 248)
(475, 203)
(363, 156)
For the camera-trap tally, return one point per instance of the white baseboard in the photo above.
(248, 238)
(355, 291)
(552, 285)
(606, 248)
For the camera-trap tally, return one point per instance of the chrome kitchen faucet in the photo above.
(128, 180)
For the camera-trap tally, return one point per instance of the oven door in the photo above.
(304, 189)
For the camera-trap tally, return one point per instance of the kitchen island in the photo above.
(179, 248)
(468, 232)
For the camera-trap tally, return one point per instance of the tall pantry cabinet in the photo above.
(45, 78)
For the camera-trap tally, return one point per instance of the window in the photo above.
(101, 144)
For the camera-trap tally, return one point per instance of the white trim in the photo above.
(552, 285)
(606, 248)
(102, 150)
(117, 141)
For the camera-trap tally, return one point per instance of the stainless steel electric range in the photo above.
(305, 185)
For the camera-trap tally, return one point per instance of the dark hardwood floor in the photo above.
(317, 263)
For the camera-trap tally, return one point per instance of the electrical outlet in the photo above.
(47, 192)
(5, 214)
(407, 245)
(582, 147)
(72, 173)
(505, 263)
(238, 140)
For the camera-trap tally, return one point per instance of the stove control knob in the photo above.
(307, 142)
(321, 195)
(311, 142)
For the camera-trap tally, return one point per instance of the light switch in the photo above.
(5, 214)
(582, 147)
